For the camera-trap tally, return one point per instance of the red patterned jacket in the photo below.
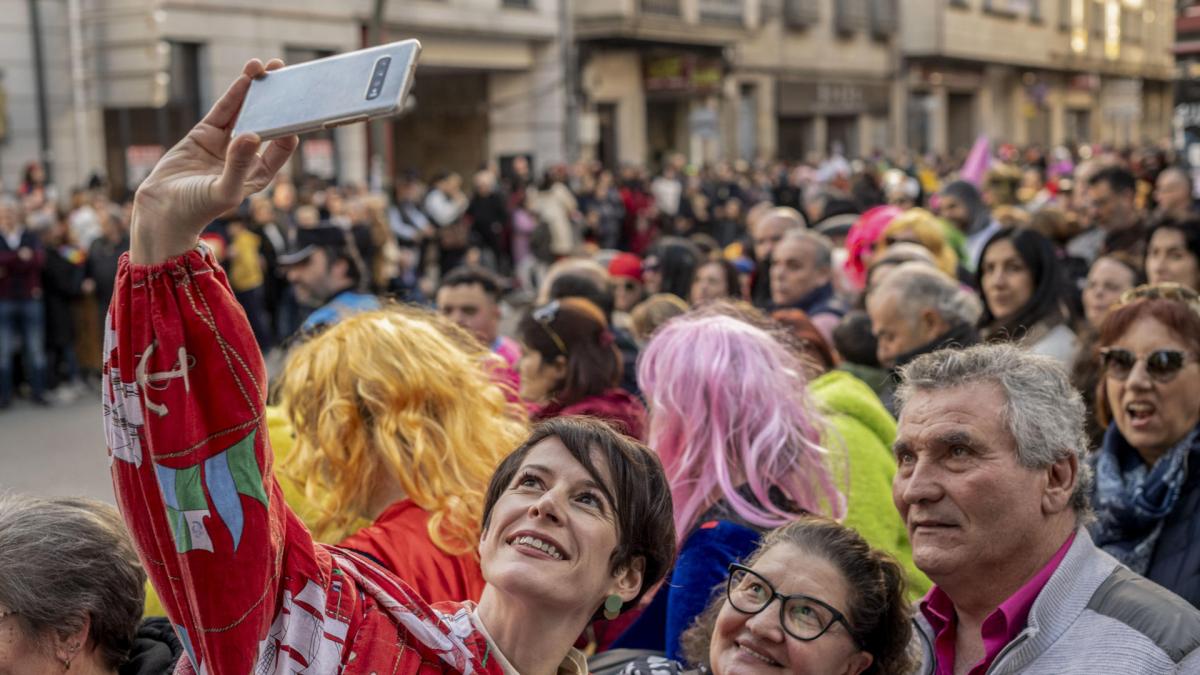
(241, 578)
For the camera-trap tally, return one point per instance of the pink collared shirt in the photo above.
(999, 628)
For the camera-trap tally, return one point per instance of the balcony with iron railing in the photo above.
(662, 7)
(731, 12)
(685, 21)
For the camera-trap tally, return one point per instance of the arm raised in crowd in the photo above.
(242, 581)
(184, 394)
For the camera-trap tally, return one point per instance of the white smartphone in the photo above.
(353, 87)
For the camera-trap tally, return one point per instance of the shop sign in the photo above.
(832, 98)
(926, 76)
(1086, 82)
(690, 73)
(317, 154)
(140, 161)
(703, 122)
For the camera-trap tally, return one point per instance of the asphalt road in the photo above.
(57, 451)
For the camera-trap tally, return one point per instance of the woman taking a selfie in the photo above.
(576, 521)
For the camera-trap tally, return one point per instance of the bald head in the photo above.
(1173, 193)
(771, 228)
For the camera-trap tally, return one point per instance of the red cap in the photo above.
(625, 265)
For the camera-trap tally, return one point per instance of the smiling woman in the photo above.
(578, 519)
(814, 597)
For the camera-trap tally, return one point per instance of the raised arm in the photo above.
(183, 405)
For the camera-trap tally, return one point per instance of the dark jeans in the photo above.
(23, 320)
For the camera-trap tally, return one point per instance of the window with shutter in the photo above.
(883, 18)
(850, 16)
(801, 13)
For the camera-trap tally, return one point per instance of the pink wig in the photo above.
(861, 241)
(729, 412)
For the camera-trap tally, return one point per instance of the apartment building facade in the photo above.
(123, 80)
(106, 86)
(1035, 71)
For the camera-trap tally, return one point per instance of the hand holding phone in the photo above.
(205, 174)
(353, 87)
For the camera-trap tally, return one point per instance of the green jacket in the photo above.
(859, 422)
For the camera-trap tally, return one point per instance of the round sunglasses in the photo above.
(1162, 365)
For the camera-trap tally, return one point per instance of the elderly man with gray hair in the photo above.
(916, 309)
(993, 490)
(802, 278)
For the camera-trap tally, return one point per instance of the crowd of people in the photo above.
(946, 418)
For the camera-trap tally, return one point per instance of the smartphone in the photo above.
(353, 87)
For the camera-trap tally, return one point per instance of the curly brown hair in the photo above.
(878, 610)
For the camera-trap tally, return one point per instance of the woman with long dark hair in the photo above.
(1024, 295)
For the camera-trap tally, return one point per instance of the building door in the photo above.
(606, 146)
(960, 122)
(1079, 126)
(796, 138)
(843, 135)
(447, 129)
(666, 128)
(747, 123)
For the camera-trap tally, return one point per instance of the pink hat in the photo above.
(862, 238)
(625, 265)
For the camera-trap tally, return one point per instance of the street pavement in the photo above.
(57, 451)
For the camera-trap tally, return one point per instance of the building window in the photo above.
(184, 86)
(663, 7)
(723, 11)
(516, 4)
(850, 16)
(801, 13)
(1017, 9)
(883, 18)
(1064, 14)
(959, 3)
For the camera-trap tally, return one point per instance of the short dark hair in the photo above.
(593, 361)
(582, 285)
(854, 340)
(1190, 229)
(1117, 178)
(471, 275)
(639, 492)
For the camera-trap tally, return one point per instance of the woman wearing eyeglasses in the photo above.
(571, 366)
(1147, 490)
(813, 599)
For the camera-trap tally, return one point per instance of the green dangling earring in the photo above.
(612, 606)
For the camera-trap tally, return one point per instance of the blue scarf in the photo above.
(1132, 500)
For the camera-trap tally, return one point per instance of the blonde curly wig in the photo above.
(405, 392)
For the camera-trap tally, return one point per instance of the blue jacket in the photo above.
(699, 576)
(821, 300)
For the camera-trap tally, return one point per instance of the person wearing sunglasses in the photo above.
(812, 599)
(1147, 494)
(570, 365)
